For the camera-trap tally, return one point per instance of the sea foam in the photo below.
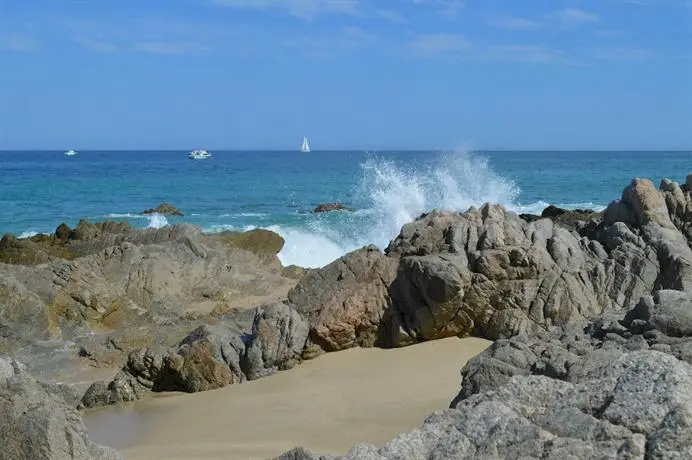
(393, 196)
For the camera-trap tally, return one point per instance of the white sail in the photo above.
(305, 147)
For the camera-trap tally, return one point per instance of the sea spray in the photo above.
(391, 196)
(157, 221)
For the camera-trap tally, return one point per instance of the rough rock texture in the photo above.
(210, 357)
(592, 321)
(38, 422)
(488, 272)
(166, 209)
(327, 207)
(102, 290)
(619, 388)
(345, 302)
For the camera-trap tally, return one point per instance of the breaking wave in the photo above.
(392, 196)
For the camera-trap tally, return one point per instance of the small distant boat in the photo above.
(305, 148)
(199, 154)
(70, 153)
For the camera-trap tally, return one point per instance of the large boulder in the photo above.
(36, 421)
(108, 289)
(345, 302)
(210, 357)
(619, 388)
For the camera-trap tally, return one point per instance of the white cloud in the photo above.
(175, 48)
(344, 40)
(513, 23)
(96, 45)
(303, 9)
(572, 17)
(439, 46)
(622, 54)
(524, 53)
(447, 8)
(391, 16)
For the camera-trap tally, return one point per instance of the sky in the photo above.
(348, 74)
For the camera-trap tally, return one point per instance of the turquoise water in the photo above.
(277, 190)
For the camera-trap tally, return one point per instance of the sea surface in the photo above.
(278, 190)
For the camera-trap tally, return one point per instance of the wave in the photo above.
(157, 221)
(28, 234)
(393, 196)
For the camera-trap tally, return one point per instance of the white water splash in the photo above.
(395, 196)
(157, 221)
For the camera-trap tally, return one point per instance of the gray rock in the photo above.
(38, 423)
(278, 338)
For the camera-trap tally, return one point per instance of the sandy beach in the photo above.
(330, 404)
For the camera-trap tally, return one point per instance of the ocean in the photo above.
(277, 190)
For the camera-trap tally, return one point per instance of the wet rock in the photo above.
(166, 209)
(328, 207)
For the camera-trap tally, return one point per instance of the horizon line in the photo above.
(388, 150)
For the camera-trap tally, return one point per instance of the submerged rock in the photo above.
(327, 207)
(166, 209)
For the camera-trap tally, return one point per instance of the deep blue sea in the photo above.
(277, 190)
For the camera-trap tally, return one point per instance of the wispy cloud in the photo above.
(96, 45)
(654, 3)
(525, 53)
(307, 10)
(18, 43)
(513, 23)
(174, 48)
(447, 8)
(391, 16)
(439, 46)
(343, 41)
(622, 54)
(573, 17)
(457, 47)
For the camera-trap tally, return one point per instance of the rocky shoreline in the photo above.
(591, 314)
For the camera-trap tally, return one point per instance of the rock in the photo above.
(36, 422)
(598, 392)
(344, 302)
(63, 232)
(166, 209)
(328, 207)
(553, 211)
(258, 241)
(210, 357)
(111, 289)
(278, 338)
(300, 453)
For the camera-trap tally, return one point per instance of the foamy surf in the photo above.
(394, 196)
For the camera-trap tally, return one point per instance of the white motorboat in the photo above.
(199, 154)
(70, 153)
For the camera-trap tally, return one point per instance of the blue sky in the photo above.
(365, 74)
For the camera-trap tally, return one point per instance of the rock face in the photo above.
(103, 290)
(345, 302)
(488, 272)
(166, 209)
(592, 322)
(210, 357)
(619, 388)
(37, 421)
(327, 207)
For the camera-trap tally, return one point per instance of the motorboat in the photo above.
(198, 154)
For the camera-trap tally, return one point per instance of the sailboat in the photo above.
(305, 147)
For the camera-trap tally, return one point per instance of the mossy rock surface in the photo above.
(259, 241)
